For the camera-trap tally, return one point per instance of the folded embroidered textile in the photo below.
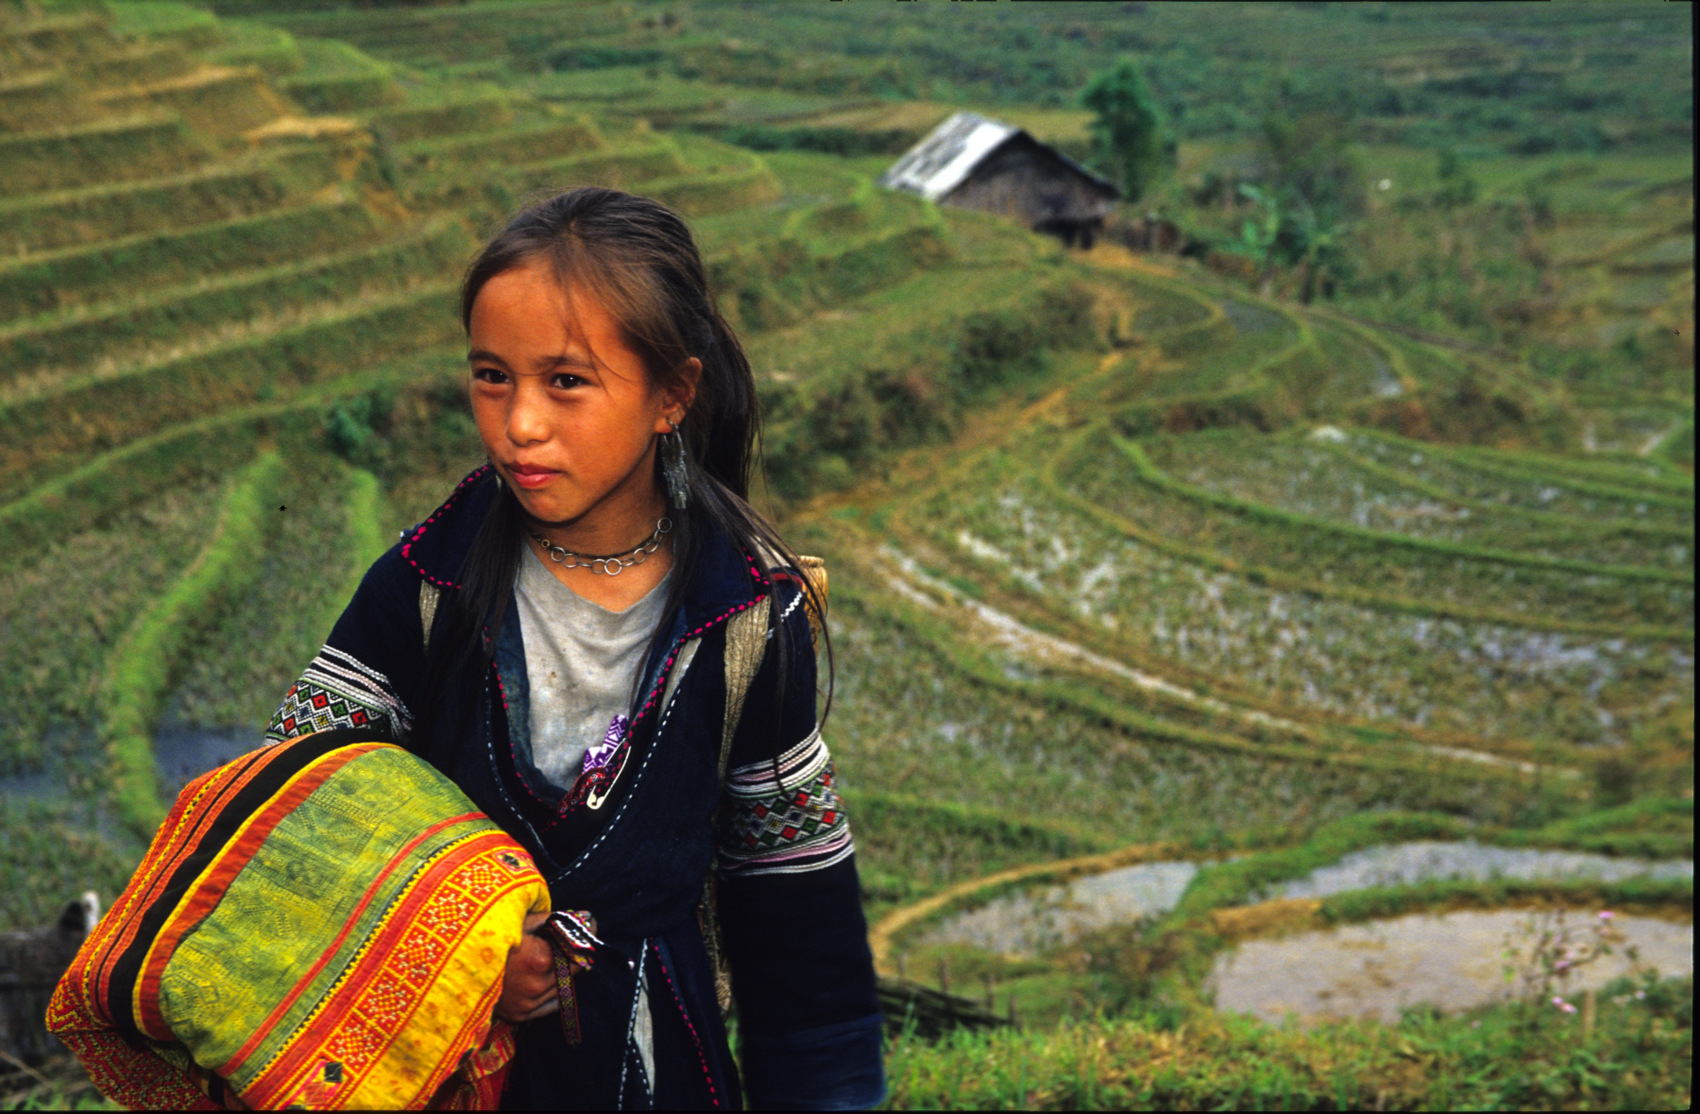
(322, 923)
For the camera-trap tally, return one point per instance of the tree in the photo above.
(1129, 137)
(1308, 157)
(1297, 235)
(1312, 183)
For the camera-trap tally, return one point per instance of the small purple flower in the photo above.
(1606, 914)
(1562, 1004)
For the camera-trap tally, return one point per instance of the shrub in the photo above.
(356, 429)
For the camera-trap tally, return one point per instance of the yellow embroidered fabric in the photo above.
(311, 927)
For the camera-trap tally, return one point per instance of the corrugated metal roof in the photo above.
(939, 163)
(951, 151)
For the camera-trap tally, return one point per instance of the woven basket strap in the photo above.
(428, 595)
(746, 643)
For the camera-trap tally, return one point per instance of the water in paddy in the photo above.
(1031, 922)
(183, 752)
(1450, 960)
(1027, 923)
(1406, 864)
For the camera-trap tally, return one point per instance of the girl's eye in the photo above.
(489, 375)
(565, 381)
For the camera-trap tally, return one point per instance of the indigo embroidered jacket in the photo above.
(788, 898)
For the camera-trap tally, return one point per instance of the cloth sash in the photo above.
(323, 923)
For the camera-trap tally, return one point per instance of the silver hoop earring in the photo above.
(674, 470)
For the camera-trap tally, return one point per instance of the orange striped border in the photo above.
(193, 810)
(204, 894)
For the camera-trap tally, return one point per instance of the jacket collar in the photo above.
(726, 580)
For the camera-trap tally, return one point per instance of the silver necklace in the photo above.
(614, 563)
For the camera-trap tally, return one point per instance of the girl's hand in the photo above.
(528, 983)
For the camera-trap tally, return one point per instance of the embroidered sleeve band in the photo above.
(788, 826)
(337, 690)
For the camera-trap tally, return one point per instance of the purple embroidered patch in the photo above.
(598, 756)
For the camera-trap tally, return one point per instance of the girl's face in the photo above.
(566, 410)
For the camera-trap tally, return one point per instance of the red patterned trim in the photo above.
(702, 1058)
(229, 1067)
(384, 980)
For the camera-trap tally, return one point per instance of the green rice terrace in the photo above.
(1182, 604)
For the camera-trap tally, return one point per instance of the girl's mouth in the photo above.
(531, 478)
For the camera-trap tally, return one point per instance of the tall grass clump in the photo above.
(1635, 1055)
(144, 667)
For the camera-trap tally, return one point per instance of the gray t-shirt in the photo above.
(581, 661)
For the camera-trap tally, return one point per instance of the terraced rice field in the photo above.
(1120, 554)
(255, 308)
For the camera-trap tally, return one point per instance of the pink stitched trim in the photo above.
(661, 681)
(755, 569)
(686, 1014)
(406, 550)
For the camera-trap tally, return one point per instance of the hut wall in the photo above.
(1023, 181)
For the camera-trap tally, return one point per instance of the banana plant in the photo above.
(1258, 238)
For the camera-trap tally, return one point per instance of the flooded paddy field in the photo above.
(1453, 961)
(1033, 921)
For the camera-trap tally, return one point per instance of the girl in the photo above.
(608, 650)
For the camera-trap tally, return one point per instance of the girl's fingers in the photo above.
(552, 1005)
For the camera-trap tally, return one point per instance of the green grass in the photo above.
(1480, 476)
(115, 268)
(443, 110)
(1313, 477)
(1330, 653)
(1516, 1056)
(169, 322)
(1654, 827)
(54, 850)
(255, 44)
(104, 151)
(515, 143)
(144, 469)
(98, 213)
(910, 845)
(139, 63)
(1495, 582)
(148, 658)
(273, 365)
(1310, 619)
(337, 77)
(326, 527)
(157, 19)
(911, 719)
(66, 615)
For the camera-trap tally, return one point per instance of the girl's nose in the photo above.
(528, 419)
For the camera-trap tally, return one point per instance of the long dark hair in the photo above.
(637, 258)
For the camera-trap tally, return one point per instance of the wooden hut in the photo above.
(979, 163)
